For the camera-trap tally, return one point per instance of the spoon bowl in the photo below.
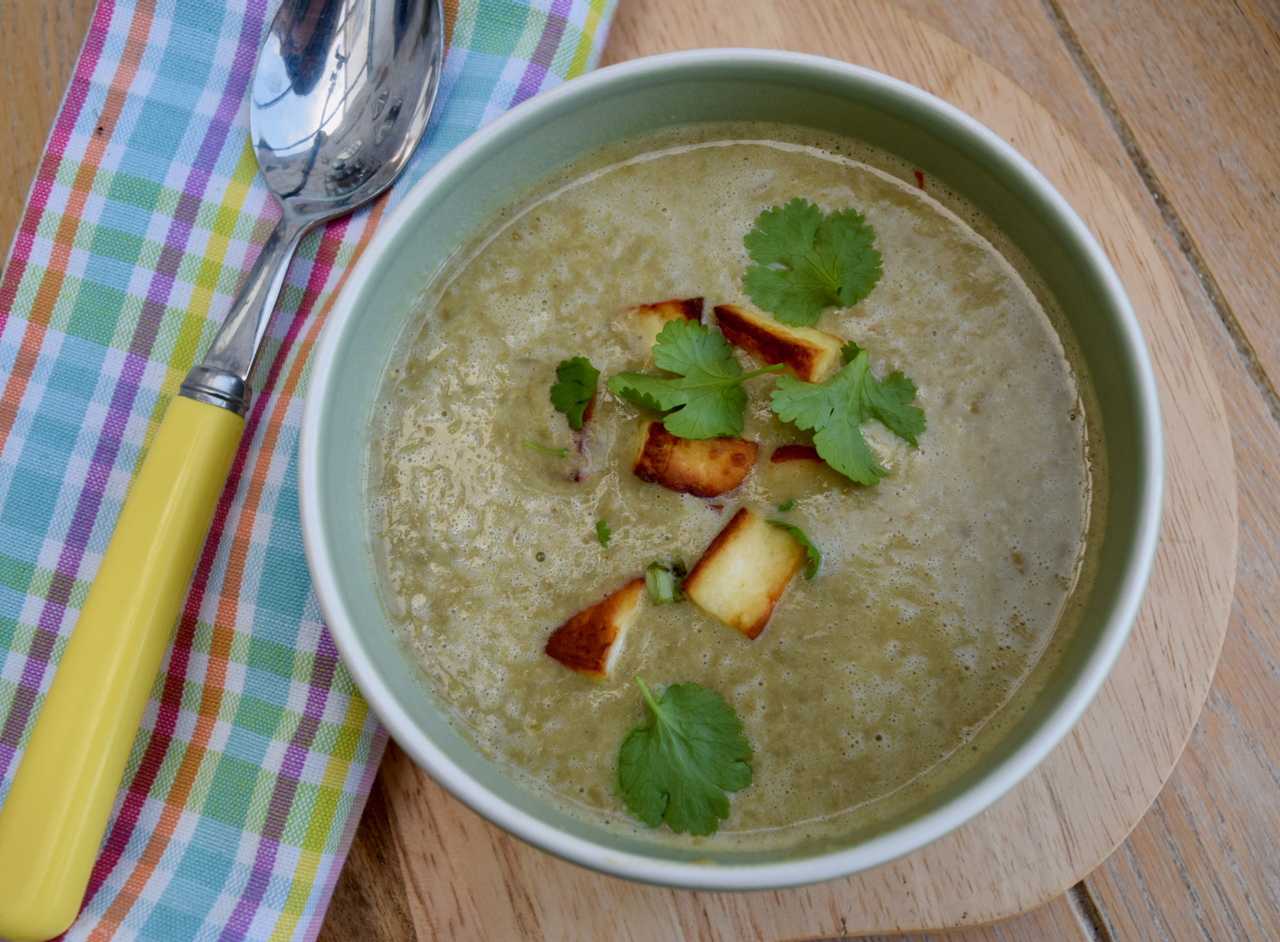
(341, 94)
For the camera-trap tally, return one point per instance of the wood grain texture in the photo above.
(452, 896)
(1203, 113)
(1197, 85)
(1067, 816)
(372, 906)
(39, 45)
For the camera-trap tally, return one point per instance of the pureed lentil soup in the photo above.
(946, 590)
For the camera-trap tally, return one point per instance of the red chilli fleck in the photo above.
(920, 179)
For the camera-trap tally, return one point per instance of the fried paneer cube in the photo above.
(744, 572)
(796, 471)
(649, 319)
(590, 641)
(785, 453)
(702, 467)
(808, 353)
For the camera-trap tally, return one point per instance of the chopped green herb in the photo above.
(807, 262)
(603, 533)
(815, 554)
(575, 389)
(680, 767)
(836, 409)
(663, 583)
(783, 508)
(556, 452)
(707, 396)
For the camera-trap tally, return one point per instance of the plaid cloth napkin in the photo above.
(256, 753)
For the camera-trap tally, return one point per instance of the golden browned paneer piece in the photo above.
(589, 642)
(649, 319)
(796, 472)
(808, 353)
(703, 468)
(744, 572)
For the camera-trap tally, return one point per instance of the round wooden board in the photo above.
(468, 880)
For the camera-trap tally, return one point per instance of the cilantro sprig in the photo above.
(810, 548)
(576, 388)
(679, 768)
(603, 533)
(807, 261)
(705, 399)
(837, 408)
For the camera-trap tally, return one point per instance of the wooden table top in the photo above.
(1180, 104)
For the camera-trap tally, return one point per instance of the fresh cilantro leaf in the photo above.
(680, 766)
(783, 508)
(836, 409)
(707, 395)
(663, 583)
(603, 533)
(543, 449)
(575, 389)
(807, 262)
(815, 554)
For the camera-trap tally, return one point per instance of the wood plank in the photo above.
(39, 45)
(1023, 41)
(1055, 921)
(1204, 115)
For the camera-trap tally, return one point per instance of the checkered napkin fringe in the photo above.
(256, 754)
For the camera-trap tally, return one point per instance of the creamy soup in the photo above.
(942, 587)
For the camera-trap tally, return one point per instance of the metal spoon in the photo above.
(340, 99)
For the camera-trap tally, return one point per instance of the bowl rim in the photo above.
(802, 870)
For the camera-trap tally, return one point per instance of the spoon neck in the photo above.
(222, 378)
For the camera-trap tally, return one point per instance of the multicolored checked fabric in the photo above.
(256, 753)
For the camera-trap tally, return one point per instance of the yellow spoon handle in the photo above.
(53, 820)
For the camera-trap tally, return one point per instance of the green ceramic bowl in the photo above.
(462, 193)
